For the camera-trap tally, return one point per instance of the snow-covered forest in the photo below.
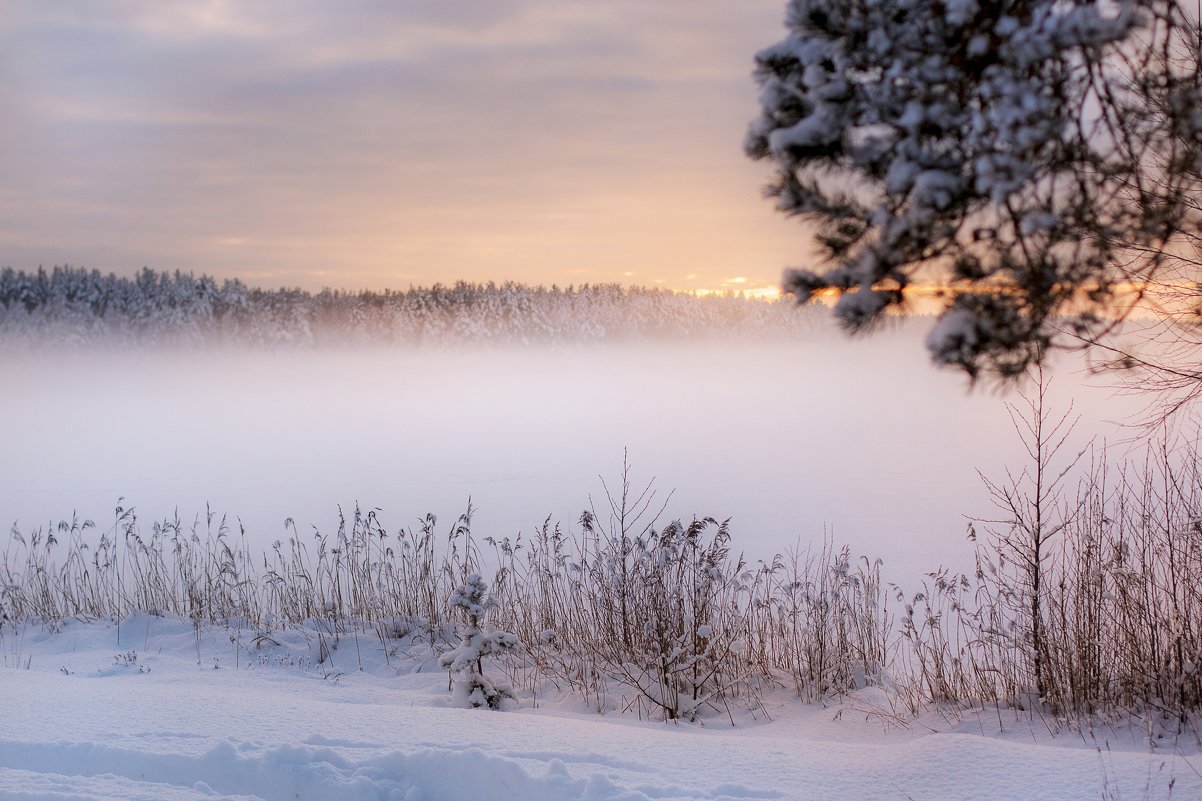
(67, 304)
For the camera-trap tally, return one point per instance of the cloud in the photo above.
(379, 139)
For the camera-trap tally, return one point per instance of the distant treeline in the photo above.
(77, 305)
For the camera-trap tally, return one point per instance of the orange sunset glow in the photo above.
(397, 145)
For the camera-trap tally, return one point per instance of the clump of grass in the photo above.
(1085, 601)
(362, 576)
(673, 622)
(665, 620)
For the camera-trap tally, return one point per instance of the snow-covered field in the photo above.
(167, 715)
(789, 440)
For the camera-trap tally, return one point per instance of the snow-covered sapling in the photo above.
(477, 641)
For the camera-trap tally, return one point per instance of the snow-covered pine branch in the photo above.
(1013, 154)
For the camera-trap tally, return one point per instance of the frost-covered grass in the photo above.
(667, 620)
(174, 661)
(663, 622)
(681, 622)
(1085, 602)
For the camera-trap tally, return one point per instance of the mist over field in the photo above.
(859, 440)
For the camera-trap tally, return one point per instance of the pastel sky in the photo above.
(370, 144)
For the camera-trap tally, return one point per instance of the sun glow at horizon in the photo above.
(354, 158)
(755, 293)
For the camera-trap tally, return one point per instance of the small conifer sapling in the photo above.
(477, 641)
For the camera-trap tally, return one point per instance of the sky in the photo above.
(367, 144)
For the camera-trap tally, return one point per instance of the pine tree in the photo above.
(1031, 158)
(477, 641)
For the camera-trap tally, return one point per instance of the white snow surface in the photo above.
(164, 714)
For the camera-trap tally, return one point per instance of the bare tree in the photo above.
(1158, 350)
(1031, 504)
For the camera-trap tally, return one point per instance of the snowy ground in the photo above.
(163, 715)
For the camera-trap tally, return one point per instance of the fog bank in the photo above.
(859, 440)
